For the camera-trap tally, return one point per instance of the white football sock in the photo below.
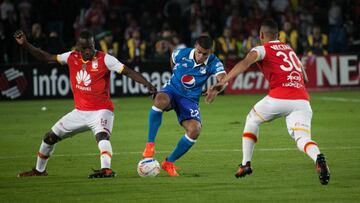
(105, 153)
(305, 144)
(43, 156)
(312, 151)
(250, 135)
(248, 145)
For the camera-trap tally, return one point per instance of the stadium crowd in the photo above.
(144, 30)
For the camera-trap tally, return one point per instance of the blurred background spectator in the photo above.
(136, 48)
(177, 42)
(151, 29)
(94, 17)
(37, 38)
(289, 35)
(252, 40)
(317, 42)
(55, 44)
(163, 45)
(226, 45)
(108, 44)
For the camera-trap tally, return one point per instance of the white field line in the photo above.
(166, 152)
(339, 99)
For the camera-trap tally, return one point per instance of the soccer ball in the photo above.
(148, 167)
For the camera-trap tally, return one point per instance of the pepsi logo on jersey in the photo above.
(188, 81)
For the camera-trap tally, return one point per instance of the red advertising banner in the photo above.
(324, 72)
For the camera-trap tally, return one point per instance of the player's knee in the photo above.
(193, 131)
(51, 138)
(102, 136)
(253, 118)
(162, 101)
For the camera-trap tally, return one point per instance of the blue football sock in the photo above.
(155, 118)
(184, 144)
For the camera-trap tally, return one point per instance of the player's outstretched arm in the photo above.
(138, 78)
(239, 68)
(211, 93)
(39, 54)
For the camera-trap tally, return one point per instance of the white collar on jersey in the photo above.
(192, 55)
(273, 41)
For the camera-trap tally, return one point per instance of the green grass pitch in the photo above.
(281, 172)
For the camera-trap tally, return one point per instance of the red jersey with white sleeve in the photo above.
(90, 80)
(282, 68)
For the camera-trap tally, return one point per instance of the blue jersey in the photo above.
(188, 78)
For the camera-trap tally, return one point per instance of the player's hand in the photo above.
(210, 95)
(20, 37)
(152, 90)
(218, 86)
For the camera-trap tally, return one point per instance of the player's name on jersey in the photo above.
(280, 47)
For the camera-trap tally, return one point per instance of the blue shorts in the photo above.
(185, 108)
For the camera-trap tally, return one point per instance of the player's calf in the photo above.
(244, 170)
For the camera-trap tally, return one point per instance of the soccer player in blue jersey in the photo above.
(191, 69)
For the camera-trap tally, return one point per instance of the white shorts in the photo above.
(298, 113)
(78, 121)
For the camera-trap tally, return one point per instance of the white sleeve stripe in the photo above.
(220, 72)
(260, 51)
(62, 58)
(58, 59)
(121, 69)
(173, 58)
(258, 54)
(113, 64)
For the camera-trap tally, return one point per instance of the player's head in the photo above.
(203, 48)
(268, 31)
(86, 45)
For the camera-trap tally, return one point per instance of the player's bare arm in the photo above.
(211, 93)
(221, 77)
(39, 54)
(138, 78)
(239, 68)
(306, 79)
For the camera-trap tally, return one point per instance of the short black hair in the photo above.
(86, 34)
(205, 41)
(272, 26)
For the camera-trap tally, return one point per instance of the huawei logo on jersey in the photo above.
(83, 76)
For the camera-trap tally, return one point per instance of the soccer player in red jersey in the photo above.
(287, 97)
(89, 72)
